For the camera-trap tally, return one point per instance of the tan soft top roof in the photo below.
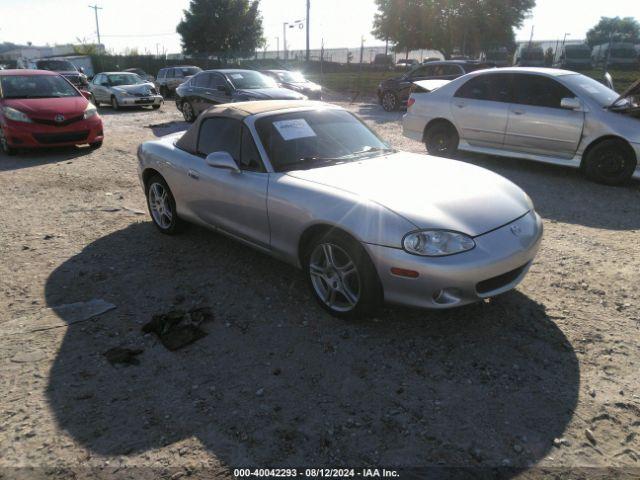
(239, 111)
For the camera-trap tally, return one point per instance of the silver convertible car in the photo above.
(541, 114)
(310, 184)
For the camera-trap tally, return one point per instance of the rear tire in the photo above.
(347, 286)
(389, 101)
(162, 206)
(611, 162)
(442, 140)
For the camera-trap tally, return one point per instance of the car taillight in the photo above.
(410, 102)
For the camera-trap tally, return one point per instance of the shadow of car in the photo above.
(279, 382)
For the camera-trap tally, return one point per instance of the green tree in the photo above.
(614, 29)
(222, 28)
(467, 26)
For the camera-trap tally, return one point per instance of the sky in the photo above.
(149, 25)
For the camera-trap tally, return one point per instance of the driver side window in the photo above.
(220, 134)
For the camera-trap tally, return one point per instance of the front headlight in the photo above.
(90, 111)
(437, 243)
(16, 115)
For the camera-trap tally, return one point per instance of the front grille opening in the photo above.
(50, 138)
(500, 281)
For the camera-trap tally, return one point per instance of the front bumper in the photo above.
(500, 261)
(36, 135)
(147, 100)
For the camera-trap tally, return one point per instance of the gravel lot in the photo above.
(544, 376)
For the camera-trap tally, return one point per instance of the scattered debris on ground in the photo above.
(179, 328)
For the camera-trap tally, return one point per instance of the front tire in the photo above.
(442, 140)
(611, 162)
(114, 103)
(95, 145)
(162, 206)
(94, 101)
(187, 112)
(4, 145)
(155, 107)
(341, 276)
(389, 101)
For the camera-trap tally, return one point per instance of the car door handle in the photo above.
(460, 105)
(193, 174)
(518, 112)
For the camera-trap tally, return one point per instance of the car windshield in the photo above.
(55, 65)
(188, 71)
(316, 138)
(293, 77)
(247, 80)
(578, 53)
(36, 86)
(623, 52)
(118, 79)
(593, 89)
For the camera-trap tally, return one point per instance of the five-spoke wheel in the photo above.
(162, 205)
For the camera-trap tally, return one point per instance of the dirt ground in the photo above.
(539, 379)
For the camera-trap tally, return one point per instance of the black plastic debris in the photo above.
(126, 356)
(178, 328)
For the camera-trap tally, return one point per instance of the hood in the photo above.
(143, 88)
(430, 192)
(48, 108)
(632, 91)
(271, 94)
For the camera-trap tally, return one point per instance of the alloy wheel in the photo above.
(187, 112)
(160, 205)
(334, 277)
(389, 101)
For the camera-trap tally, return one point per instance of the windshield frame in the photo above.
(266, 158)
(569, 82)
(3, 96)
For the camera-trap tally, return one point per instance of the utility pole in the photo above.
(278, 47)
(95, 10)
(284, 40)
(361, 50)
(308, 10)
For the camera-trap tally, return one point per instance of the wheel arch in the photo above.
(314, 231)
(437, 121)
(604, 138)
(147, 174)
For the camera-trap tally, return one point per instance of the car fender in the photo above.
(295, 205)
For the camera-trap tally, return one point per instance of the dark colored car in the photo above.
(295, 81)
(43, 109)
(169, 78)
(212, 87)
(393, 93)
(64, 68)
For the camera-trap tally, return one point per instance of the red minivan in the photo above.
(39, 108)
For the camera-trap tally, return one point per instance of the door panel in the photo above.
(543, 130)
(480, 109)
(537, 123)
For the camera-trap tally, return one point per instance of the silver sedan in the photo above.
(546, 115)
(310, 184)
(124, 89)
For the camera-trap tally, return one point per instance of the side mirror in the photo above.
(81, 70)
(85, 94)
(570, 104)
(222, 160)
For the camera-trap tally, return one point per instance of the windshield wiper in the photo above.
(370, 150)
(305, 160)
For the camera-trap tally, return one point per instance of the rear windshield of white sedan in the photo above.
(311, 139)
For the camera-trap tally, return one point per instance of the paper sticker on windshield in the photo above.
(293, 129)
(237, 76)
